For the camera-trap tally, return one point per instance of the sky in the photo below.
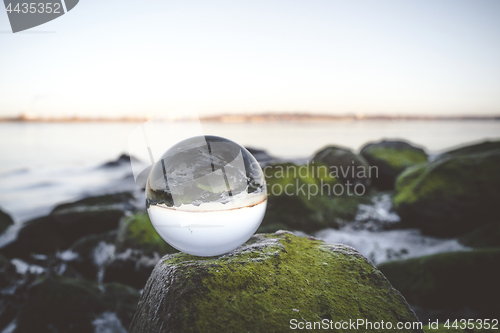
(124, 58)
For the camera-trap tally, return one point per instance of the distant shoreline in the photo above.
(254, 118)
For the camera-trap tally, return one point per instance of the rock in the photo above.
(263, 285)
(442, 329)
(122, 159)
(450, 285)
(67, 223)
(296, 201)
(89, 254)
(120, 201)
(5, 221)
(391, 158)
(137, 232)
(8, 279)
(482, 147)
(138, 249)
(61, 304)
(484, 237)
(452, 195)
(344, 165)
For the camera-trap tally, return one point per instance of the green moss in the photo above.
(276, 279)
(446, 195)
(390, 158)
(398, 159)
(451, 281)
(137, 232)
(299, 200)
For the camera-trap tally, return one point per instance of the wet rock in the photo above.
(61, 304)
(451, 285)
(89, 254)
(138, 249)
(67, 223)
(391, 158)
(262, 285)
(8, 280)
(303, 198)
(344, 165)
(5, 221)
(452, 195)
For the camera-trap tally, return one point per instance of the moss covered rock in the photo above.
(391, 158)
(67, 223)
(263, 285)
(481, 147)
(304, 198)
(138, 248)
(344, 165)
(137, 232)
(442, 329)
(449, 285)
(483, 237)
(5, 221)
(61, 304)
(452, 195)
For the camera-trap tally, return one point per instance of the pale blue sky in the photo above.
(113, 58)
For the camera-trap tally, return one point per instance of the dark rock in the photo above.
(122, 159)
(261, 156)
(344, 165)
(8, 280)
(67, 223)
(263, 285)
(5, 221)
(302, 198)
(391, 158)
(473, 149)
(484, 237)
(451, 285)
(452, 195)
(61, 304)
(90, 257)
(138, 249)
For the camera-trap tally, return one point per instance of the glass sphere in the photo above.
(206, 196)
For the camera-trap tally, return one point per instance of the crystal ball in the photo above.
(206, 195)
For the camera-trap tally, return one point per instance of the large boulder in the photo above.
(67, 223)
(344, 165)
(307, 198)
(450, 285)
(138, 248)
(452, 195)
(391, 158)
(473, 149)
(61, 304)
(269, 284)
(5, 221)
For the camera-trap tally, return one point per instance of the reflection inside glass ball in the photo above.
(206, 196)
